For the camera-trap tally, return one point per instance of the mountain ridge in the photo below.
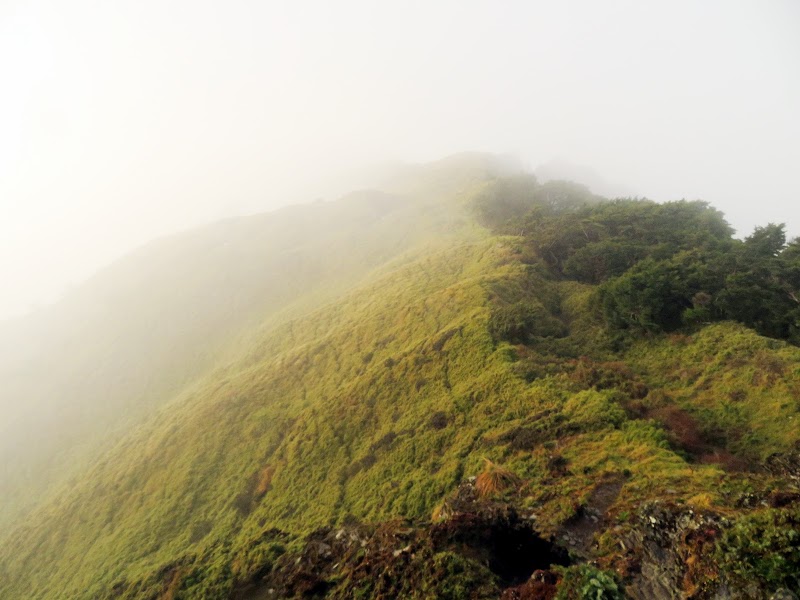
(639, 453)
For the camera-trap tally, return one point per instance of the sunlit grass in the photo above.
(379, 404)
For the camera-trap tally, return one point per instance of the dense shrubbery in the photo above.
(521, 321)
(661, 266)
(764, 546)
(753, 282)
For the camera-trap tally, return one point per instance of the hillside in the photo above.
(507, 379)
(85, 370)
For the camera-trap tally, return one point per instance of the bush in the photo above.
(585, 582)
(450, 576)
(504, 200)
(520, 321)
(764, 546)
(590, 410)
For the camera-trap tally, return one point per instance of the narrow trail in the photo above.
(578, 533)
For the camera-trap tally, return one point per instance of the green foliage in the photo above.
(524, 306)
(590, 409)
(505, 204)
(601, 240)
(450, 576)
(763, 288)
(660, 295)
(522, 321)
(766, 242)
(602, 260)
(656, 261)
(662, 282)
(585, 582)
(764, 546)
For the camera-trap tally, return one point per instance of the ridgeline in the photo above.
(465, 385)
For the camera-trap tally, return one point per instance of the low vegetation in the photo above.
(585, 361)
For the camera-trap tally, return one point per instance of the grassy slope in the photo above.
(743, 389)
(84, 371)
(329, 417)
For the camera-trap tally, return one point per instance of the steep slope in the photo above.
(377, 407)
(333, 455)
(301, 372)
(80, 373)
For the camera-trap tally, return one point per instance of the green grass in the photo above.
(378, 404)
(78, 375)
(338, 403)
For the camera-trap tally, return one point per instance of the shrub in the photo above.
(585, 582)
(520, 321)
(590, 410)
(764, 546)
(450, 576)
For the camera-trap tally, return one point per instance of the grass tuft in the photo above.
(495, 480)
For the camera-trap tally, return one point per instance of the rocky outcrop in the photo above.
(485, 546)
(668, 556)
(482, 548)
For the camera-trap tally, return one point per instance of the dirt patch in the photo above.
(578, 533)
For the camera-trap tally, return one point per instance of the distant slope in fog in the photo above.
(119, 345)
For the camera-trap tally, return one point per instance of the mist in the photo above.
(125, 121)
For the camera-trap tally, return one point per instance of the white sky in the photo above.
(124, 120)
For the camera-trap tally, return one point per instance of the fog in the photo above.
(123, 121)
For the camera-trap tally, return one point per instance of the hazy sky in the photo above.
(123, 120)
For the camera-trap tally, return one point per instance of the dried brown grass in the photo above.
(495, 479)
(264, 482)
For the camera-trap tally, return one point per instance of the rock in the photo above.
(667, 539)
